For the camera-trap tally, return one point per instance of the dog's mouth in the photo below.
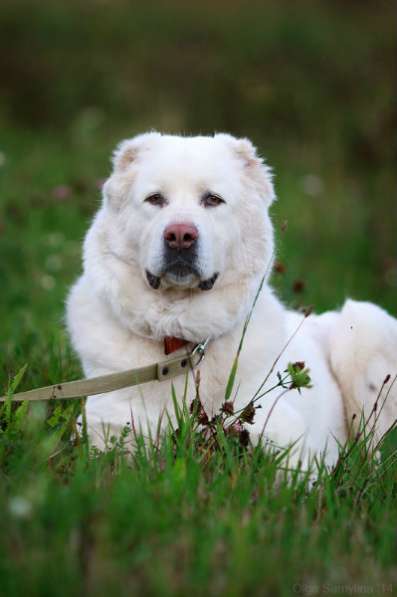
(179, 269)
(181, 275)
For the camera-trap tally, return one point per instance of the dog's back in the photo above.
(363, 348)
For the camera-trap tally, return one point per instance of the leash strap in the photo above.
(116, 381)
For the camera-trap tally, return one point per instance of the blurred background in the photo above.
(311, 83)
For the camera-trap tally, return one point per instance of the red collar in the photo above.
(171, 344)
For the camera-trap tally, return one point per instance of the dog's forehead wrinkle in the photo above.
(177, 176)
(186, 160)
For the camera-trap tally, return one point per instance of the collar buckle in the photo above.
(198, 353)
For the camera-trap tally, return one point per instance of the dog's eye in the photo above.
(156, 199)
(211, 200)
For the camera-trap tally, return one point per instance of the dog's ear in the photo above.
(125, 154)
(124, 160)
(255, 168)
(128, 150)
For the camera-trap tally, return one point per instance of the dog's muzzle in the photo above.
(155, 281)
(180, 259)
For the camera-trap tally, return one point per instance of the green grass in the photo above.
(313, 88)
(162, 523)
(170, 521)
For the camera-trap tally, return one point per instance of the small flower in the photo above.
(279, 267)
(238, 431)
(299, 374)
(244, 438)
(61, 192)
(227, 408)
(248, 414)
(299, 365)
(197, 409)
(298, 286)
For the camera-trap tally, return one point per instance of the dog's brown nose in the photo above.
(180, 236)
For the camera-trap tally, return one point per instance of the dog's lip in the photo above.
(179, 268)
(155, 280)
(209, 282)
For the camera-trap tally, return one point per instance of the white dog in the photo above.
(177, 250)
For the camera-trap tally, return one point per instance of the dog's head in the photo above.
(190, 211)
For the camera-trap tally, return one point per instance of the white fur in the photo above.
(117, 321)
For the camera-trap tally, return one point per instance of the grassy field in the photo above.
(313, 89)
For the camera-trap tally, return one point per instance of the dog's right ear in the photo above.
(125, 154)
(124, 160)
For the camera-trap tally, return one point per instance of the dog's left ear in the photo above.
(255, 168)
